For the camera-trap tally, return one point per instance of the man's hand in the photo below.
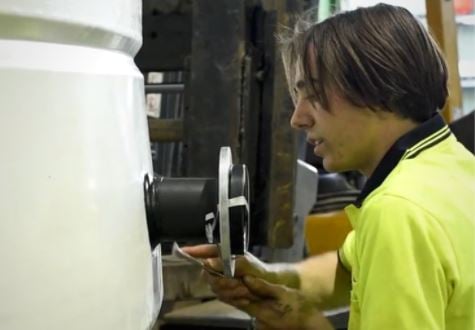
(230, 290)
(257, 289)
(279, 307)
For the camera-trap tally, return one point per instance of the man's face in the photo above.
(343, 135)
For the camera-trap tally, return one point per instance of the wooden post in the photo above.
(441, 21)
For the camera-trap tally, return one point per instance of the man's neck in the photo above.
(391, 128)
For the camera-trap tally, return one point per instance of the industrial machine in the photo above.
(225, 86)
(73, 234)
(83, 214)
(202, 209)
(85, 218)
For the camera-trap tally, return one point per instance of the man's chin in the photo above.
(330, 166)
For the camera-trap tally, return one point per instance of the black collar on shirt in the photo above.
(399, 148)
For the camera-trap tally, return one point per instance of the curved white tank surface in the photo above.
(74, 248)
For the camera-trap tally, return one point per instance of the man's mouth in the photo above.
(315, 142)
(317, 145)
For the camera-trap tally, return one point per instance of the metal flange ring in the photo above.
(225, 163)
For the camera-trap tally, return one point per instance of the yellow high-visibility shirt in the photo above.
(412, 249)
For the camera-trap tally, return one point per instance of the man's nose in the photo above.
(301, 118)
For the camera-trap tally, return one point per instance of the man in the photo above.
(367, 87)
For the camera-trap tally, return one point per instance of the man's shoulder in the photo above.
(437, 177)
(422, 198)
(391, 210)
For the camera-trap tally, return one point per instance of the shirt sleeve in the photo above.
(345, 253)
(401, 283)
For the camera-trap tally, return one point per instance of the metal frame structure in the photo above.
(235, 94)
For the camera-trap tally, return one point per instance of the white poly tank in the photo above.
(74, 249)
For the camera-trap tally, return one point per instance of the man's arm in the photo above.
(323, 279)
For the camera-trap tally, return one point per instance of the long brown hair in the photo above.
(379, 57)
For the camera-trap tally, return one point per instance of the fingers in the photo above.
(271, 314)
(202, 251)
(262, 310)
(227, 289)
(248, 265)
(263, 288)
(245, 265)
(214, 263)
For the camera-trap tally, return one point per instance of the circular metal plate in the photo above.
(225, 163)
